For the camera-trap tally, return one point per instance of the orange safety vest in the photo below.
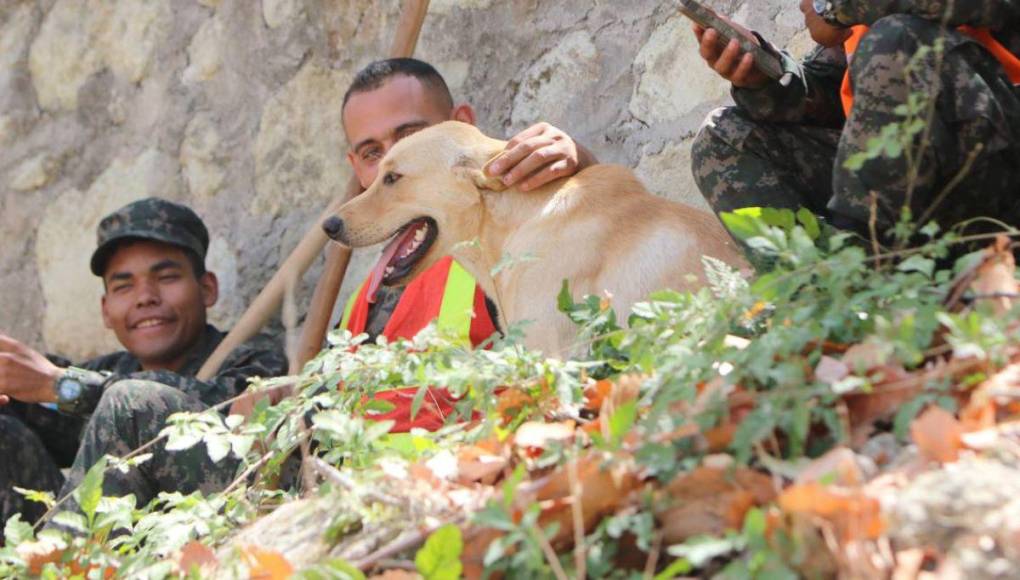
(444, 293)
(1010, 62)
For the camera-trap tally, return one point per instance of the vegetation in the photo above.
(648, 457)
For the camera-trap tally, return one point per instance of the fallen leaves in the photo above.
(937, 434)
(709, 501)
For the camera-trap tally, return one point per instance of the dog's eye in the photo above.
(391, 178)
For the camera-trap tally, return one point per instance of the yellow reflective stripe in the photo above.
(350, 306)
(457, 309)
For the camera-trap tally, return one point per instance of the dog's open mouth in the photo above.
(408, 246)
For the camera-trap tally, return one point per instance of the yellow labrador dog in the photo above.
(600, 230)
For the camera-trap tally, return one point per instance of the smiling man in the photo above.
(151, 257)
(387, 101)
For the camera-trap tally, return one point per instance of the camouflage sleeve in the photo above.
(993, 14)
(257, 358)
(810, 97)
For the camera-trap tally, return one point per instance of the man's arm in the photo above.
(539, 154)
(984, 13)
(256, 358)
(810, 97)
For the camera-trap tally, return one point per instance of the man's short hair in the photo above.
(375, 74)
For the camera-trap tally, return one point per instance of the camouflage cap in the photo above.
(149, 219)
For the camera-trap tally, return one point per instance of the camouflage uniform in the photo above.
(122, 406)
(785, 146)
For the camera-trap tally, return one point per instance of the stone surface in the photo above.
(675, 80)
(668, 173)
(204, 52)
(34, 173)
(566, 69)
(233, 106)
(299, 152)
(201, 157)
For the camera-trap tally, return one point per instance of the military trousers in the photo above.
(968, 165)
(130, 414)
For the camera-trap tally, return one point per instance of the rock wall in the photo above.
(233, 107)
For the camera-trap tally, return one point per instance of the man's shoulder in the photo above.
(263, 350)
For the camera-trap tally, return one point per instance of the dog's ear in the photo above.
(470, 169)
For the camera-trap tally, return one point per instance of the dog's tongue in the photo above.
(375, 278)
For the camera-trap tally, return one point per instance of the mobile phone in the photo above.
(704, 16)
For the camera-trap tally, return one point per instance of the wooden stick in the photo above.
(268, 301)
(338, 257)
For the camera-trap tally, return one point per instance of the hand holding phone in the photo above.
(730, 49)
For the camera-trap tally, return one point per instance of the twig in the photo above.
(653, 557)
(953, 183)
(550, 554)
(251, 469)
(873, 229)
(580, 560)
(334, 475)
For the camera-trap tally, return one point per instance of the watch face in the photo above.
(69, 389)
(821, 6)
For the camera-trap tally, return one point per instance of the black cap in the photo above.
(150, 219)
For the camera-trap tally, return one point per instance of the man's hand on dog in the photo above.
(25, 374)
(539, 154)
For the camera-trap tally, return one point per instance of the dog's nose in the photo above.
(334, 227)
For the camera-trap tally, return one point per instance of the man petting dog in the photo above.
(787, 144)
(387, 101)
(151, 257)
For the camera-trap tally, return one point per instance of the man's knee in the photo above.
(132, 397)
(896, 38)
(724, 130)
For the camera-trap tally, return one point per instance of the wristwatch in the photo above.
(73, 383)
(825, 9)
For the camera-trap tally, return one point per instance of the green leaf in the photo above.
(73, 521)
(621, 421)
(742, 225)
(218, 446)
(679, 567)
(379, 407)
(90, 491)
(917, 263)
(439, 558)
(17, 531)
(335, 569)
(810, 223)
(565, 301)
(44, 497)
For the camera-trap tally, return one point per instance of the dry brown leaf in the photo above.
(534, 437)
(938, 435)
(396, 575)
(477, 464)
(196, 555)
(841, 464)
(861, 358)
(831, 371)
(711, 501)
(855, 515)
(38, 554)
(266, 564)
(996, 276)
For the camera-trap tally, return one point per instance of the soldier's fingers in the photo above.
(533, 163)
(728, 60)
(4, 399)
(745, 70)
(709, 46)
(8, 344)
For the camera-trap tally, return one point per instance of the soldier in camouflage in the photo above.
(151, 257)
(785, 143)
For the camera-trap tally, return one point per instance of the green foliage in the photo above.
(439, 558)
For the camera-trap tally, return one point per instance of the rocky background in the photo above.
(233, 107)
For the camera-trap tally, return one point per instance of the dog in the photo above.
(600, 229)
